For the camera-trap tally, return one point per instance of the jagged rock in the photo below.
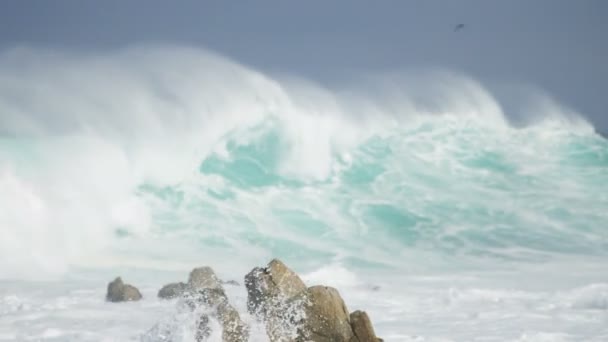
(204, 291)
(267, 287)
(257, 283)
(327, 318)
(362, 327)
(172, 290)
(121, 292)
(203, 330)
(285, 318)
(210, 297)
(290, 311)
(233, 328)
(287, 283)
(216, 301)
(294, 313)
(203, 278)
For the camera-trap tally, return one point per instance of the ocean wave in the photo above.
(148, 145)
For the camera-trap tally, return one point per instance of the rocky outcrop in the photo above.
(294, 313)
(216, 302)
(362, 327)
(203, 278)
(327, 318)
(173, 290)
(199, 278)
(205, 296)
(121, 292)
(276, 296)
(273, 285)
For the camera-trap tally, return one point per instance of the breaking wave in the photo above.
(162, 155)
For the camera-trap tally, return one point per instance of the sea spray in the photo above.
(163, 158)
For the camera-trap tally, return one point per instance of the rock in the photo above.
(327, 318)
(203, 278)
(216, 301)
(172, 290)
(257, 283)
(276, 295)
(205, 291)
(203, 331)
(267, 287)
(362, 327)
(233, 328)
(121, 292)
(231, 282)
(286, 282)
(210, 297)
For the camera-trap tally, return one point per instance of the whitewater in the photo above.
(417, 194)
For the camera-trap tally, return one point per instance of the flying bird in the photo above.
(458, 27)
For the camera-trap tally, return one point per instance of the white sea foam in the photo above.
(153, 160)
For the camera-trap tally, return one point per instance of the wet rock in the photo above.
(203, 278)
(205, 295)
(203, 329)
(290, 311)
(362, 327)
(327, 318)
(294, 313)
(233, 328)
(271, 286)
(257, 283)
(216, 305)
(121, 292)
(172, 290)
(231, 282)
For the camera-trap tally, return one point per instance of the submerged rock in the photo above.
(121, 292)
(172, 290)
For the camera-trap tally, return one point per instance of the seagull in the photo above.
(458, 27)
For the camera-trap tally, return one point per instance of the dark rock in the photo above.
(257, 283)
(121, 292)
(172, 290)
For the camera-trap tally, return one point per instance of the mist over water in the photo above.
(158, 159)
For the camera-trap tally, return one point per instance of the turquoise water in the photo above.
(512, 194)
(425, 206)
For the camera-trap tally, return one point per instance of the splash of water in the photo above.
(153, 153)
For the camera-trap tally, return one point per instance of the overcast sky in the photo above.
(558, 45)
